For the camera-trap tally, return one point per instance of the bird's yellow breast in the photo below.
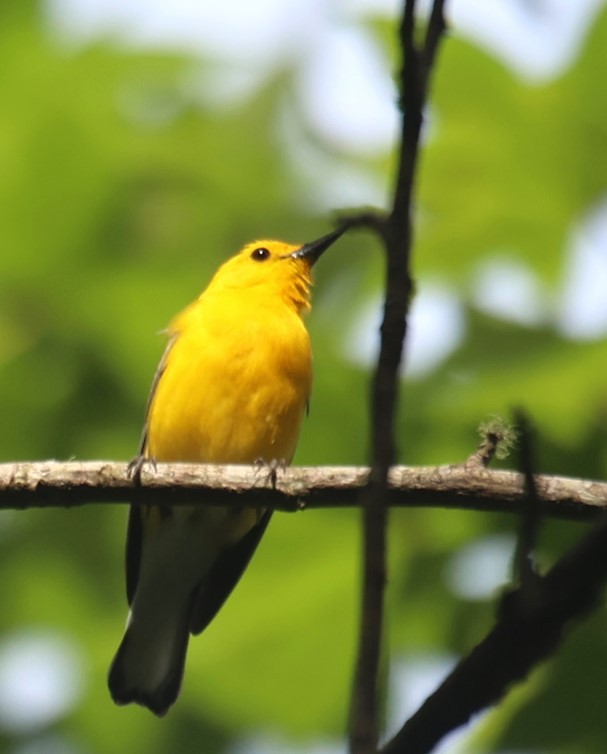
(235, 383)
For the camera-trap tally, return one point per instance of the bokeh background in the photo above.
(142, 142)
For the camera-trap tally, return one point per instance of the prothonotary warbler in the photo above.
(232, 387)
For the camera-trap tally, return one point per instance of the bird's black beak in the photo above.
(312, 251)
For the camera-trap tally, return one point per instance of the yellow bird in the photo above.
(232, 387)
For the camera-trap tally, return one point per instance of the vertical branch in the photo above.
(396, 233)
(525, 571)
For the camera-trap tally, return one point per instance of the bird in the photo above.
(233, 386)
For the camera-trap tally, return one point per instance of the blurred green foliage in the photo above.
(120, 193)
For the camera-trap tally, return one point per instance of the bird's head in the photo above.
(275, 268)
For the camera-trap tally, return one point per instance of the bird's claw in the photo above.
(272, 468)
(136, 466)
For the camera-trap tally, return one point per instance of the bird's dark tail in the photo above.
(148, 666)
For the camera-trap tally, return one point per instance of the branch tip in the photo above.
(497, 439)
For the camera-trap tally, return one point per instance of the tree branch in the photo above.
(525, 568)
(53, 483)
(526, 633)
(532, 619)
(397, 235)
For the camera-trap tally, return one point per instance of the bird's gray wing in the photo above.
(135, 524)
(224, 575)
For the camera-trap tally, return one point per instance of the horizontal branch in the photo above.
(465, 486)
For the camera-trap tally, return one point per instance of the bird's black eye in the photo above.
(260, 255)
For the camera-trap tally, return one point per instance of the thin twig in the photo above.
(485, 453)
(434, 34)
(397, 237)
(497, 439)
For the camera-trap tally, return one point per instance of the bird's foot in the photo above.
(135, 467)
(271, 468)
